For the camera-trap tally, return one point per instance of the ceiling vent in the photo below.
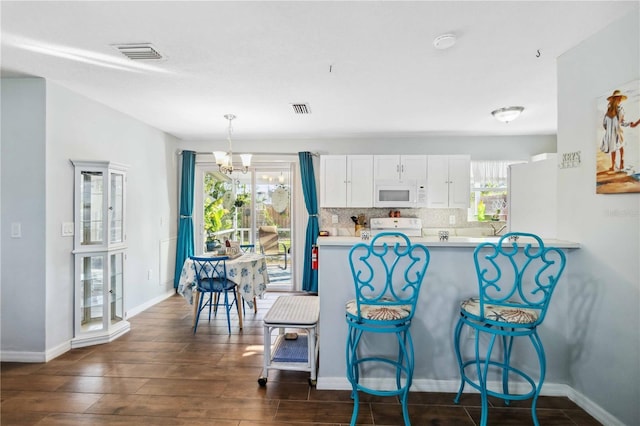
(139, 51)
(301, 109)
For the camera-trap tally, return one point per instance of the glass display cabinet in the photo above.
(100, 252)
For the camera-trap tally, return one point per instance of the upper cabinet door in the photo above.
(360, 180)
(386, 167)
(459, 181)
(346, 181)
(438, 181)
(448, 181)
(333, 177)
(400, 167)
(413, 167)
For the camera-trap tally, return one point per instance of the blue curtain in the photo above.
(309, 276)
(184, 247)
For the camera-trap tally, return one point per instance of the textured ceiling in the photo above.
(366, 69)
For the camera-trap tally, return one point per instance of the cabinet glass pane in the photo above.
(116, 208)
(115, 289)
(91, 208)
(91, 289)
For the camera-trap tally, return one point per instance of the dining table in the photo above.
(248, 271)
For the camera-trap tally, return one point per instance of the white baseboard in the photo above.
(57, 351)
(35, 357)
(140, 308)
(451, 386)
(596, 411)
(20, 356)
(432, 385)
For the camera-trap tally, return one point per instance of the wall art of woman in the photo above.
(613, 122)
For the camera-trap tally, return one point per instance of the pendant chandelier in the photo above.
(224, 160)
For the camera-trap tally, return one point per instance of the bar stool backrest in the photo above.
(388, 271)
(517, 271)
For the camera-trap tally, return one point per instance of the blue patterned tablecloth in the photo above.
(249, 271)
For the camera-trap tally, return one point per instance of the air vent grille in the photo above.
(301, 109)
(139, 51)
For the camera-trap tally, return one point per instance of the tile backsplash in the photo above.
(431, 218)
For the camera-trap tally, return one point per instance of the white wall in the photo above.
(77, 128)
(603, 334)
(22, 289)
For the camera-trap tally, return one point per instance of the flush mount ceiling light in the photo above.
(444, 41)
(507, 114)
(224, 160)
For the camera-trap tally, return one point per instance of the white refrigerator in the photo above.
(533, 196)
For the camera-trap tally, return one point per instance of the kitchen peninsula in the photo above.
(450, 278)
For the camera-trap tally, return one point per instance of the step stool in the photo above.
(300, 354)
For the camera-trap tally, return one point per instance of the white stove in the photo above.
(410, 226)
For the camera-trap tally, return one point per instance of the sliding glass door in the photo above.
(252, 208)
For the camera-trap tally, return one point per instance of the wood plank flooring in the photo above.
(160, 373)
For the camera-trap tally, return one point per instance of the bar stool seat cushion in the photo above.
(499, 313)
(379, 313)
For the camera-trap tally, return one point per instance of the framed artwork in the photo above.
(618, 140)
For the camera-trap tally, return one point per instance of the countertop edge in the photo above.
(461, 242)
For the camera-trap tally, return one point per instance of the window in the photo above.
(488, 201)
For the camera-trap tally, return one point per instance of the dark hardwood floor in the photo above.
(161, 374)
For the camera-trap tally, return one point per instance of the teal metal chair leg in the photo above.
(406, 354)
(456, 345)
(353, 375)
(507, 344)
(537, 343)
(482, 366)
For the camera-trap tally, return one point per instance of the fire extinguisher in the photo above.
(314, 257)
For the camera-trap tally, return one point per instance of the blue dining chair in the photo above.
(211, 280)
(248, 248)
(516, 279)
(387, 273)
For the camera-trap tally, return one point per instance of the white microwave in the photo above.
(409, 193)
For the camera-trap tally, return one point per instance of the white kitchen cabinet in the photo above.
(99, 252)
(448, 181)
(400, 167)
(346, 181)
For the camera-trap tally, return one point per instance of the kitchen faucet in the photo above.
(497, 231)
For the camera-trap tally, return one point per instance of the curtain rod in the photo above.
(315, 154)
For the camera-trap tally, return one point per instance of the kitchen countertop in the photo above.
(454, 241)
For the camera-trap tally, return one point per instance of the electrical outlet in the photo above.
(452, 219)
(334, 218)
(471, 334)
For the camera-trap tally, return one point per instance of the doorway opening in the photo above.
(254, 209)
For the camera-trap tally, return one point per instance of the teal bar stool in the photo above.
(387, 273)
(516, 277)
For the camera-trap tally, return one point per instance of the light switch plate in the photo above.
(16, 230)
(67, 229)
